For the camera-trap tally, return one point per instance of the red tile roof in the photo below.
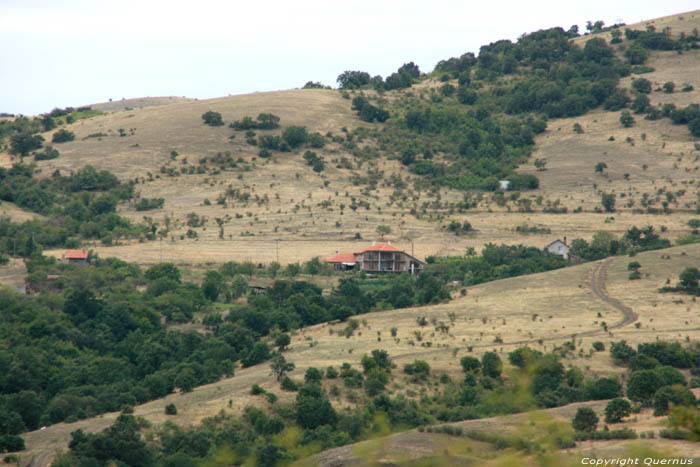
(379, 247)
(76, 254)
(342, 258)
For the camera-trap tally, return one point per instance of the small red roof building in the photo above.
(76, 254)
(342, 258)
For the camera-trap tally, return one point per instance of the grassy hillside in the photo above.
(496, 316)
(307, 213)
(225, 200)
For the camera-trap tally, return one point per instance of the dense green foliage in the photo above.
(212, 118)
(484, 123)
(494, 262)
(82, 205)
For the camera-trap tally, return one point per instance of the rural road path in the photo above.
(596, 283)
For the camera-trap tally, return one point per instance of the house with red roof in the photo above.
(76, 256)
(380, 257)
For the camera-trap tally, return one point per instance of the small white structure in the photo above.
(504, 185)
(559, 247)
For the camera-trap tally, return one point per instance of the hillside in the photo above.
(300, 213)
(219, 195)
(566, 304)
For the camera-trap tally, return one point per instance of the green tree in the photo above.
(186, 379)
(676, 394)
(282, 341)
(239, 286)
(295, 136)
(617, 409)
(470, 363)
(212, 118)
(268, 121)
(313, 408)
(642, 85)
(22, 144)
(491, 364)
(383, 230)
(313, 375)
(212, 285)
(642, 385)
(600, 167)
(669, 86)
(689, 278)
(608, 201)
(636, 55)
(585, 419)
(163, 270)
(280, 366)
(626, 119)
(63, 136)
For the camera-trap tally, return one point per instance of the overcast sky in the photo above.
(58, 53)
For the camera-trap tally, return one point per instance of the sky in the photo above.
(59, 53)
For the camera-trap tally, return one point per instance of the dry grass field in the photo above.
(541, 311)
(652, 158)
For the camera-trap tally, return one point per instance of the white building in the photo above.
(559, 247)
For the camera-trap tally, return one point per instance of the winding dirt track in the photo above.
(597, 284)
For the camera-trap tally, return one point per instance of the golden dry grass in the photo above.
(664, 159)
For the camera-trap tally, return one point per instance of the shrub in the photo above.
(642, 85)
(491, 365)
(170, 409)
(626, 119)
(47, 154)
(295, 136)
(288, 384)
(212, 118)
(63, 136)
(313, 375)
(616, 410)
(585, 419)
(676, 394)
(470, 363)
(642, 385)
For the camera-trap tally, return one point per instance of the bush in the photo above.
(624, 433)
(642, 85)
(288, 384)
(170, 409)
(626, 119)
(63, 136)
(585, 419)
(470, 363)
(616, 410)
(642, 385)
(212, 118)
(313, 375)
(295, 136)
(676, 394)
(47, 154)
